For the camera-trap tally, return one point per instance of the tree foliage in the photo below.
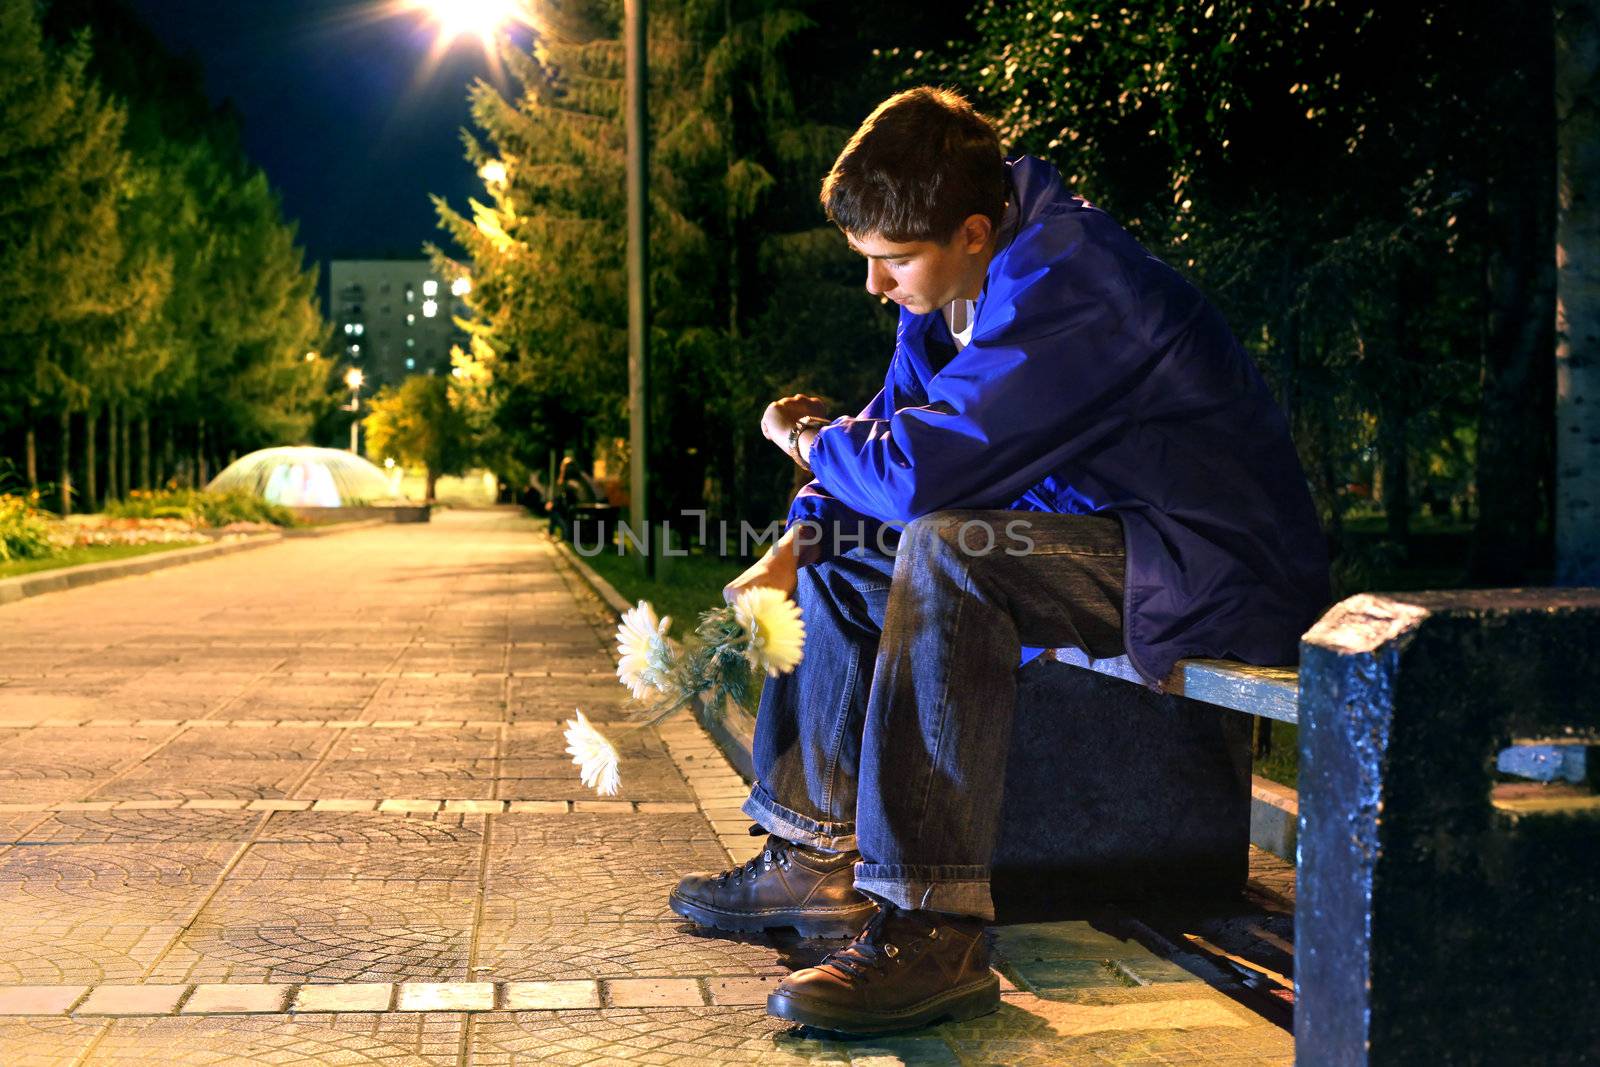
(753, 294)
(1339, 176)
(151, 279)
(417, 424)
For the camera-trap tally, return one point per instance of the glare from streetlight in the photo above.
(471, 18)
(354, 378)
(493, 172)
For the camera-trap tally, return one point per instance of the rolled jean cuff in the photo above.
(953, 890)
(794, 827)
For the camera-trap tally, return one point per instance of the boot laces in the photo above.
(776, 852)
(870, 951)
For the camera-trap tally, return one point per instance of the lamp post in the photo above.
(637, 119)
(354, 378)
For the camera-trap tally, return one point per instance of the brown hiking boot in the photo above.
(907, 969)
(786, 885)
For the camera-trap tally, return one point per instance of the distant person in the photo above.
(1084, 456)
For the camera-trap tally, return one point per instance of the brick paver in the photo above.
(308, 804)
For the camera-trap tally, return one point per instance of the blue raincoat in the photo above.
(1097, 380)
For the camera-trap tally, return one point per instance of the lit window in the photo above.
(461, 287)
(411, 294)
(411, 364)
(430, 308)
(430, 288)
(411, 320)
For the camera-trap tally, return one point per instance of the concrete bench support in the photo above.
(1437, 922)
(1114, 791)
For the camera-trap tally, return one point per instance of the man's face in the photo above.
(923, 276)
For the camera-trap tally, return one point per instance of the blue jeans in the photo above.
(891, 735)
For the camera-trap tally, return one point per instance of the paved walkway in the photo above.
(308, 804)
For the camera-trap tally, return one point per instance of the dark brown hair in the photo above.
(920, 165)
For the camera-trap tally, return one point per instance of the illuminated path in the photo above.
(308, 804)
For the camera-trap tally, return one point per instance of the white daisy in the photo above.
(776, 633)
(595, 756)
(644, 650)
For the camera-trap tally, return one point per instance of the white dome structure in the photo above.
(301, 476)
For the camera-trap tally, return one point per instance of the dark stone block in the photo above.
(1114, 791)
(1437, 923)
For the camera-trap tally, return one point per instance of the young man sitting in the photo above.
(1079, 453)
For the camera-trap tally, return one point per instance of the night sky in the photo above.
(339, 111)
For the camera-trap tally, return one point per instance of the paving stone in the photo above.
(237, 999)
(416, 1040)
(57, 952)
(88, 827)
(393, 902)
(1065, 940)
(653, 992)
(550, 996)
(903, 1052)
(344, 805)
(409, 805)
(604, 807)
(46, 1042)
(1062, 978)
(445, 996)
(357, 778)
(39, 999)
(531, 950)
(132, 1000)
(695, 1035)
(353, 996)
(272, 861)
(740, 991)
(316, 953)
(276, 804)
(544, 807)
(489, 807)
(405, 830)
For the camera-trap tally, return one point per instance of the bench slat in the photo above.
(1272, 692)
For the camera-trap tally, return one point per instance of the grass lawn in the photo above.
(683, 588)
(72, 557)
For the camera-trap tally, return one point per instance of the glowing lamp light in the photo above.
(471, 18)
(354, 378)
(430, 288)
(461, 287)
(493, 172)
(430, 308)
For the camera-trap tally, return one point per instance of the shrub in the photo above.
(200, 507)
(24, 530)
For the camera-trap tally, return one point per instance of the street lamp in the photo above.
(354, 379)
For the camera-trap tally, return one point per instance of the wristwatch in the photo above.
(802, 424)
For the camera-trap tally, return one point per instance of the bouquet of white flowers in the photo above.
(760, 632)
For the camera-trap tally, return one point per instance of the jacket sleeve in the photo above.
(1049, 375)
(840, 524)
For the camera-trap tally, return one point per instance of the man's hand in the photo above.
(781, 415)
(778, 569)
